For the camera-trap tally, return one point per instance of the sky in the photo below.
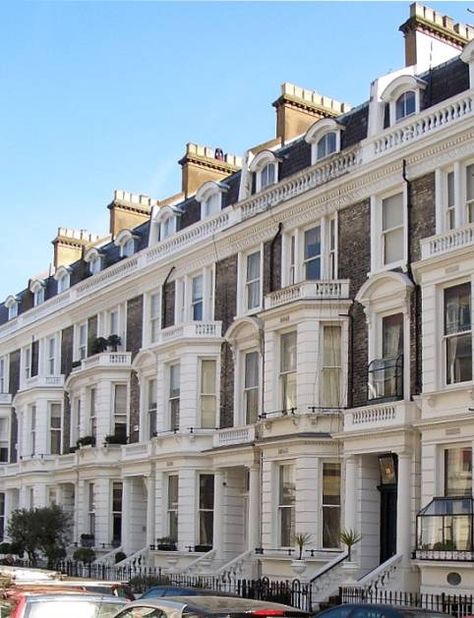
(97, 96)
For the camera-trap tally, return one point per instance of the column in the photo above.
(253, 523)
(350, 493)
(404, 515)
(218, 528)
(150, 509)
(126, 503)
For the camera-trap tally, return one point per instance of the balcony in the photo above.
(447, 242)
(191, 331)
(308, 290)
(44, 382)
(233, 436)
(120, 360)
(385, 379)
(381, 416)
(444, 530)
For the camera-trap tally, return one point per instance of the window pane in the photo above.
(392, 211)
(470, 182)
(206, 491)
(457, 309)
(393, 246)
(392, 335)
(450, 183)
(208, 376)
(251, 369)
(331, 484)
(253, 266)
(288, 352)
(459, 359)
(174, 381)
(312, 242)
(458, 471)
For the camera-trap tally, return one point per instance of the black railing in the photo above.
(385, 379)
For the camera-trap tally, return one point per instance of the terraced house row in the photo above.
(285, 346)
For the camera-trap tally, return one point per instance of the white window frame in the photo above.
(173, 396)
(51, 355)
(126, 241)
(172, 511)
(293, 250)
(55, 430)
(4, 385)
(461, 206)
(205, 396)
(243, 282)
(330, 507)
(94, 258)
(318, 132)
(283, 505)
(444, 337)
(339, 367)
(92, 405)
(91, 508)
(37, 288)
(151, 403)
(63, 279)
(76, 420)
(397, 88)
(33, 422)
(283, 374)
(377, 235)
(201, 511)
(246, 389)
(12, 305)
(80, 340)
(120, 418)
(26, 362)
(184, 302)
(402, 99)
(260, 167)
(5, 437)
(154, 316)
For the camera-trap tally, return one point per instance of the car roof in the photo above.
(76, 596)
(210, 603)
(385, 607)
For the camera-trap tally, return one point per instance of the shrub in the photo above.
(119, 556)
(84, 554)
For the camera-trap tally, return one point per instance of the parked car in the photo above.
(115, 588)
(59, 605)
(368, 610)
(203, 605)
(173, 591)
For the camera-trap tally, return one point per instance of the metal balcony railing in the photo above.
(385, 379)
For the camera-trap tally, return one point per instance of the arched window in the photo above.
(326, 145)
(163, 223)
(11, 304)
(209, 195)
(94, 259)
(63, 278)
(126, 241)
(265, 168)
(405, 105)
(37, 289)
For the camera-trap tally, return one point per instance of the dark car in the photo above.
(212, 606)
(181, 591)
(368, 610)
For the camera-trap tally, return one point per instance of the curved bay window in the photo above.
(444, 530)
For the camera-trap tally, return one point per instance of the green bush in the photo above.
(119, 556)
(84, 554)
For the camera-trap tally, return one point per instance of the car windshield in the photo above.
(72, 608)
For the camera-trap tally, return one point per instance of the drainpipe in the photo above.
(163, 296)
(416, 289)
(272, 244)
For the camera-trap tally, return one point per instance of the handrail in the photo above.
(330, 565)
(378, 575)
(189, 568)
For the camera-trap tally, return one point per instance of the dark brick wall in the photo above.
(167, 307)
(91, 334)
(67, 350)
(134, 407)
(226, 291)
(134, 324)
(354, 264)
(191, 214)
(227, 387)
(13, 386)
(66, 424)
(422, 214)
(272, 265)
(295, 159)
(34, 357)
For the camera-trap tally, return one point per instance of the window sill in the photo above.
(387, 267)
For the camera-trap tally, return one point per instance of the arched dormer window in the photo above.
(127, 243)
(94, 258)
(63, 278)
(37, 289)
(209, 196)
(164, 222)
(325, 138)
(11, 303)
(403, 96)
(265, 168)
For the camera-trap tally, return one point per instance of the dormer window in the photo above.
(209, 196)
(164, 223)
(265, 168)
(63, 279)
(403, 97)
(37, 289)
(12, 305)
(326, 145)
(325, 138)
(126, 241)
(94, 259)
(405, 105)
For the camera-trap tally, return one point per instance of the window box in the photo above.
(116, 439)
(86, 441)
(87, 540)
(202, 548)
(75, 364)
(166, 543)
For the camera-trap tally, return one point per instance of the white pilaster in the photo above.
(218, 531)
(253, 524)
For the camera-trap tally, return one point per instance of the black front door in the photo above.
(388, 521)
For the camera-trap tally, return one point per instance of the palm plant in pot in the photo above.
(349, 538)
(300, 539)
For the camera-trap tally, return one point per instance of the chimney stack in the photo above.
(297, 109)
(432, 38)
(128, 210)
(203, 163)
(68, 245)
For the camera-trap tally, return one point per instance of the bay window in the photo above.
(51, 360)
(173, 397)
(91, 508)
(197, 300)
(251, 387)
(206, 509)
(151, 397)
(331, 502)
(208, 395)
(312, 253)
(92, 412)
(173, 488)
(55, 428)
(120, 410)
(331, 367)
(286, 504)
(457, 333)
(288, 370)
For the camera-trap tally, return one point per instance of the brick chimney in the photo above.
(432, 38)
(203, 163)
(297, 109)
(128, 210)
(68, 245)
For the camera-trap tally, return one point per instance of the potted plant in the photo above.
(99, 345)
(349, 538)
(203, 547)
(166, 543)
(116, 438)
(113, 341)
(86, 441)
(87, 540)
(75, 364)
(301, 539)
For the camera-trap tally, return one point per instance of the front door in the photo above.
(388, 521)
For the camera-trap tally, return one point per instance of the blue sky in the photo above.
(103, 95)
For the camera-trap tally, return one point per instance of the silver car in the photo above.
(60, 605)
